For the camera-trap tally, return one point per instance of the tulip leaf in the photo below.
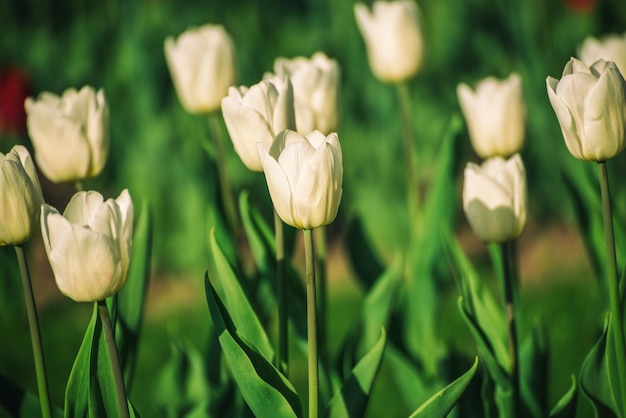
(266, 391)
(20, 403)
(363, 258)
(351, 400)
(130, 300)
(442, 402)
(566, 406)
(237, 302)
(260, 237)
(533, 372)
(374, 315)
(90, 390)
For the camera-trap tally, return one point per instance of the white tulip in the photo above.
(495, 114)
(304, 176)
(609, 48)
(89, 245)
(393, 37)
(494, 198)
(202, 63)
(590, 104)
(70, 133)
(258, 114)
(315, 89)
(20, 197)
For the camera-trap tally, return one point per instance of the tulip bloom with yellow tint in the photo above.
(304, 176)
(89, 245)
(315, 83)
(20, 197)
(393, 37)
(256, 115)
(495, 114)
(590, 104)
(494, 198)
(202, 63)
(70, 133)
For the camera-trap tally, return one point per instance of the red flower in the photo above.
(14, 89)
(581, 6)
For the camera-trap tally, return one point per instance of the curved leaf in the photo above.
(266, 391)
(566, 406)
(351, 400)
(442, 402)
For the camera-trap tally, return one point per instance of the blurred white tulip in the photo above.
(393, 37)
(590, 104)
(20, 197)
(89, 246)
(495, 114)
(315, 83)
(304, 176)
(70, 133)
(609, 48)
(258, 114)
(202, 64)
(495, 198)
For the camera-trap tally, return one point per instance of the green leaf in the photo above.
(260, 237)
(442, 402)
(594, 379)
(20, 403)
(129, 302)
(374, 315)
(566, 406)
(90, 390)
(351, 400)
(266, 391)
(236, 301)
(534, 372)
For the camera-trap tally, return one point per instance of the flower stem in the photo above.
(120, 389)
(225, 186)
(611, 264)
(322, 291)
(311, 317)
(509, 302)
(412, 177)
(281, 284)
(35, 335)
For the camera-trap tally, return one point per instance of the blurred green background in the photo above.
(156, 152)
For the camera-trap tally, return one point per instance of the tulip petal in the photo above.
(566, 121)
(278, 185)
(18, 206)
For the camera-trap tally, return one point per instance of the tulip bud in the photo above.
(258, 114)
(20, 197)
(315, 89)
(304, 176)
(608, 48)
(393, 38)
(89, 245)
(70, 134)
(202, 63)
(590, 104)
(494, 198)
(495, 115)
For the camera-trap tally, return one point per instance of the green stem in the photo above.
(410, 163)
(509, 302)
(222, 173)
(35, 335)
(611, 264)
(281, 284)
(120, 388)
(311, 317)
(322, 291)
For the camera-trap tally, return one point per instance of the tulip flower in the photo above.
(70, 134)
(393, 38)
(590, 104)
(202, 63)
(89, 245)
(304, 176)
(495, 114)
(494, 198)
(20, 197)
(315, 83)
(258, 114)
(609, 48)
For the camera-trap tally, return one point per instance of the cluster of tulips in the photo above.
(285, 127)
